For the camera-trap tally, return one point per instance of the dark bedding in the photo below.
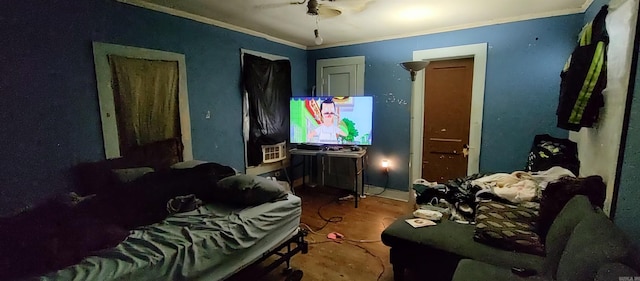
(61, 232)
(144, 200)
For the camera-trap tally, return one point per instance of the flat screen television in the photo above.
(331, 120)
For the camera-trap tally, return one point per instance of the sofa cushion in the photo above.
(615, 271)
(594, 242)
(454, 238)
(576, 209)
(507, 226)
(476, 270)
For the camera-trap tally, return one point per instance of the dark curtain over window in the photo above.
(268, 84)
(145, 93)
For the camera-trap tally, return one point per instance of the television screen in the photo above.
(331, 120)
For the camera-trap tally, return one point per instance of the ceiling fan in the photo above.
(325, 8)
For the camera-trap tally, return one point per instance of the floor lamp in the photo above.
(413, 67)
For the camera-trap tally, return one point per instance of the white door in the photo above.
(338, 81)
(340, 77)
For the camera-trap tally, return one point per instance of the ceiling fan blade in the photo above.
(346, 1)
(278, 5)
(325, 12)
(347, 6)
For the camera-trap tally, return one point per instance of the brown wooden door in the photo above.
(447, 113)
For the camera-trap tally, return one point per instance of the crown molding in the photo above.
(187, 15)
(459, 27)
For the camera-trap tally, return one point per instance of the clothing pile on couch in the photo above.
(462, 195)
(510, 210)
(514, 210)
(542, 223)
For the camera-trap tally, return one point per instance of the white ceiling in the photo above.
(360, 20)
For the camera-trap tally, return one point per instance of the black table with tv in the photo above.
(334, 152)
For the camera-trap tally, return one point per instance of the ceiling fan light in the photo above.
(318, 39)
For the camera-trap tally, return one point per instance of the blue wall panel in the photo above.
(50, 118)
(50, 110)
(524, 61)
(627, 209)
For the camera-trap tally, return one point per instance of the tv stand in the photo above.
(358, 161)
(310, 146)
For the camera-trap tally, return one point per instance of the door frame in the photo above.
(321, 64)
(263, 168)
(479, 54)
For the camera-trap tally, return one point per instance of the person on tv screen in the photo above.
(328, 131)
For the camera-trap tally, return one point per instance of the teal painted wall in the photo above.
(524, 60)
(50, 118)
(628, 209)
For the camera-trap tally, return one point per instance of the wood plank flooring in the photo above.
(361, 255)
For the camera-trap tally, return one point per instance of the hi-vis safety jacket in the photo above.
(584, 77)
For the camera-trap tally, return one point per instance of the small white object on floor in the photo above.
(420, 222)
(427, 214)
(348, 197)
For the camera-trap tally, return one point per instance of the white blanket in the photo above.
(520, 186)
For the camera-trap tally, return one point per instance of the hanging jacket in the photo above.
(584, 77)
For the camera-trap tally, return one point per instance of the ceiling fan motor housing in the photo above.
(312, 7)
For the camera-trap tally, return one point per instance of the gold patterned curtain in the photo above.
(146, 100)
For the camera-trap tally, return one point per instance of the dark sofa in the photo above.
(581, 244)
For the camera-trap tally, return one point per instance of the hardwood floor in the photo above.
(361, 255)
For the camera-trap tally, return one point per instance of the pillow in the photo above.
(221, 171)
(556, 195)
(131, 174)
(507, 227)
(247, 190)
(98, 177)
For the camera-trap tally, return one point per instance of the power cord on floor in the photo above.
(386, 184)
(337, 219)
(373, 255)
(349, 241)
(304, 225)
(384, 226)
(333, 219)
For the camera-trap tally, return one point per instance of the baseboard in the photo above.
(372, 190)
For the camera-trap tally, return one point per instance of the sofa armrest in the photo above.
(614, 271)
